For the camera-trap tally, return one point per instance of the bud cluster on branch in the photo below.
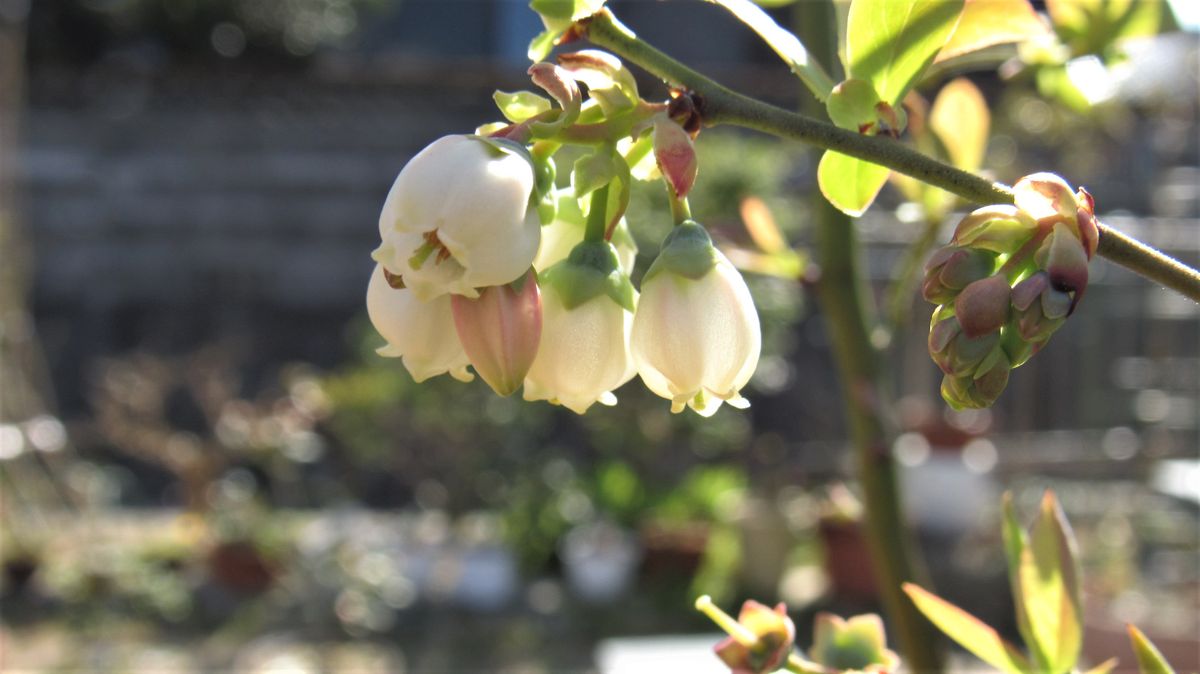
(1005, 283)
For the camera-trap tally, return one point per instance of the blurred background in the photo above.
(204, 465)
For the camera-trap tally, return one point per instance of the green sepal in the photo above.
(502, 146)
(589, 271)
(519, 106)
(687, 251)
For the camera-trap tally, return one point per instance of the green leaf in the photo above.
(1015, 542)
(968, 631)
(521, 105)
(1150, 661)
(540, 46)
(1049, 580)
(781, 41)
(986, 23)
(960, 118)
(891, 42)
(850, 184)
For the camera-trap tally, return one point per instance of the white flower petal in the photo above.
(420, 333)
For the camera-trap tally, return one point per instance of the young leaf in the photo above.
(609, 82)
(986, 23)
(593, 171)
(542, 44)
(1150, 661)
(1049, 579)
(968, 631)
(782, 42)
(521, 105)
(761, 226)
(1015, 542)
(850, 184)
(891, 42)
(960, 119)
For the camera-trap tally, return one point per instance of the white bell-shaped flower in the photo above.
(696, 336)
(457, 219)
(420, 333)
(584, 353)
(587, 315)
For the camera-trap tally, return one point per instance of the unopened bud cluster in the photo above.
(485, 262)
(1005, 283)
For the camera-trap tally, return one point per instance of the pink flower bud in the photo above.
(500, 331)
(1065, 259)
(1046, 198)
(982, 307)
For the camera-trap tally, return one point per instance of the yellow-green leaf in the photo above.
(985, 23)
(1049, 579)
(968, 631)
(782, 42)
(961, 120)
(520, 105)
(1150, 661)
(541, 45)
(1015, 542)
(760, 224)
(891, 42)
(850, 184)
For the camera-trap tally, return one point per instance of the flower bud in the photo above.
(1039, 308)
(759, 641)
(500, 331)
(954, 352)
(457, 218)
(953, 268)
(982, 307)
(420, 333)
(696, 337)
(855, 645)
(1046, 198)
(1064, 257)
(587, 306)
(1001, 229)
(981, 388)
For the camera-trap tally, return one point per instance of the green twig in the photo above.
(722, 105)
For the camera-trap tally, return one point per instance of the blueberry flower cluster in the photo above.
(485, 262)
(1005, 283)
